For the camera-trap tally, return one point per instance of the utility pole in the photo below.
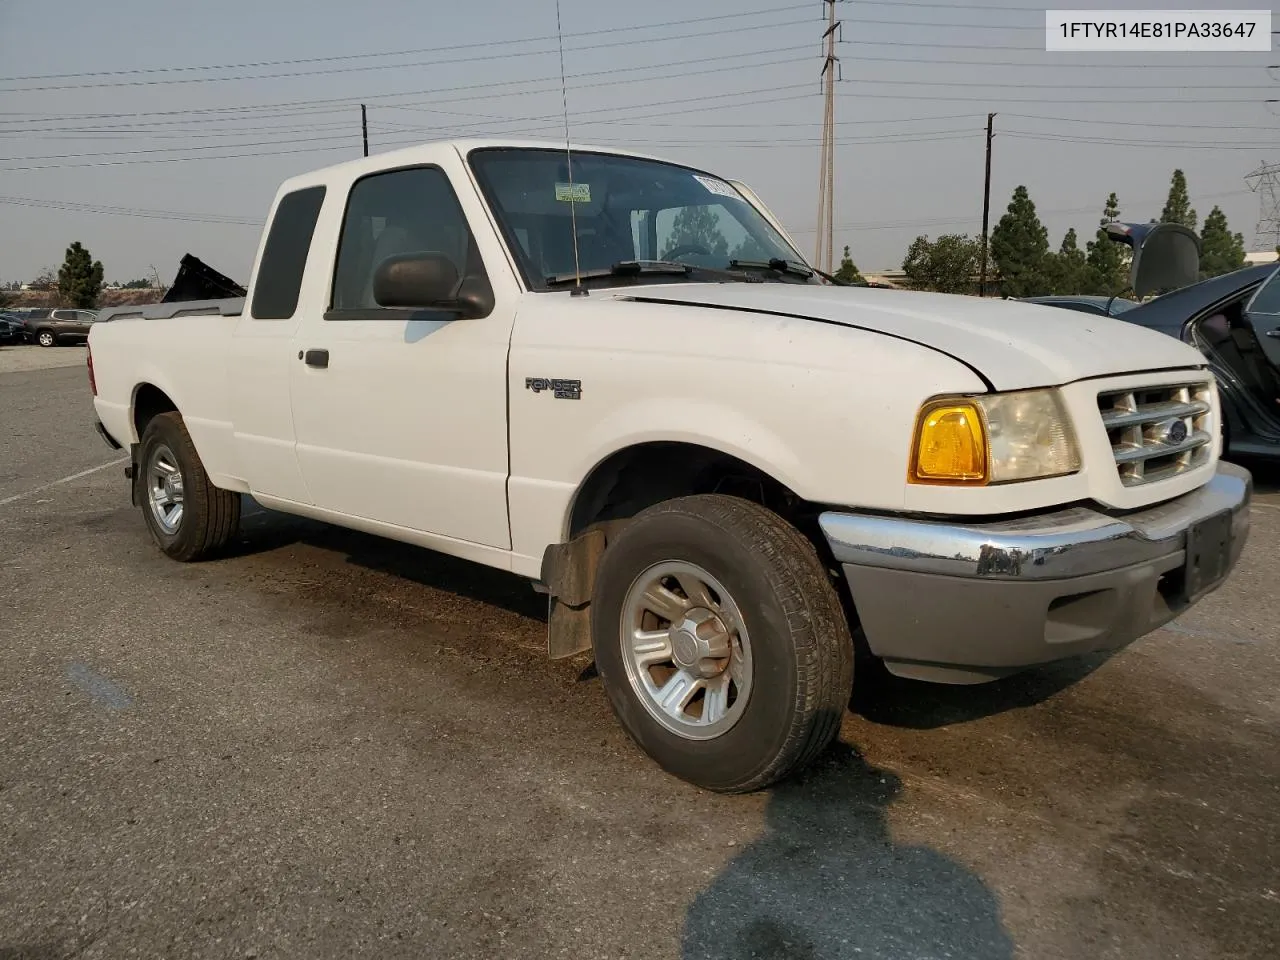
(364, 128)
(827, 163)
(986, 209)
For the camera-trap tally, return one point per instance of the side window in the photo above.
(402, 211)
(1267, 299)
(279, 281)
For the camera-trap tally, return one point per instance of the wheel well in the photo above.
(640, 476)
(148, 402)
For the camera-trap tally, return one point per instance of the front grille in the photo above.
(1158, 432)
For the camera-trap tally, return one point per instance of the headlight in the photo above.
(994, 438)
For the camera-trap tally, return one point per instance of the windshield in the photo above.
(627, 209)
(1120, 306)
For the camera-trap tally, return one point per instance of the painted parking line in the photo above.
(54, 483)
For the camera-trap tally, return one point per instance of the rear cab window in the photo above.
(284, 258)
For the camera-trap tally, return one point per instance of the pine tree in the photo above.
(80, 278)
(1020, 249)
(1107, 271)
(848, 273)
(697, 227)
(1177, 209)
(947, 265)
(1221, 251)
(1069, 268)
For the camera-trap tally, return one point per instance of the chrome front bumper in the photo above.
(965, 603)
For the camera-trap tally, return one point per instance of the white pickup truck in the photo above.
(614, 376)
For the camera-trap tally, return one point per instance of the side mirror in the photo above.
(416, 280)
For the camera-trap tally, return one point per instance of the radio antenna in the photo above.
(578, 289)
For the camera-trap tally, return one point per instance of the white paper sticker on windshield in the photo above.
(573, 192)
(718, 187)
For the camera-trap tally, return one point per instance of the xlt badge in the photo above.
(561, 389)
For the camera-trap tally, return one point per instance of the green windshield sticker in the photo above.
(573, 192)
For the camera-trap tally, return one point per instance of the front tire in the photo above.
(721, 643)
(46, 338)
(189, 518)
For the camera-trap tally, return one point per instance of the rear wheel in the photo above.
(189, 518)
(46, 338)
(721, 643)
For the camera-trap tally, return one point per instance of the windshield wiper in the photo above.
(776, 264)
(635, 268)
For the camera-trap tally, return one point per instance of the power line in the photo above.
(74, 207)
(524, 83)
(1152, 144)
(416, 64)
(969, 217)
(752, 100)
(664, 68)
(418, 51)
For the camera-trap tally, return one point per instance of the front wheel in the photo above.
(721, 643)
(189, 518)
(46, 338)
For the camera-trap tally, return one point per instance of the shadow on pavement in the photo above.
(883, 698)
(826, 881)
(262, 530)
(1266, 473)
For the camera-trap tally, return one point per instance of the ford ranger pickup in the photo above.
(616, 377)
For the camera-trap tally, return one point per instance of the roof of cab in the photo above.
(406, 156)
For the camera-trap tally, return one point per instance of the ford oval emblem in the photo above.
(1177, 432)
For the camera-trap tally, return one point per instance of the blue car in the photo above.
(1234, 320)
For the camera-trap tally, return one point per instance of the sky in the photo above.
(170, 125)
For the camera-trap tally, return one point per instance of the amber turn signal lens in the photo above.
(950, 445)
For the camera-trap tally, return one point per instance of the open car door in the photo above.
(1263, 314)
(1166, 256)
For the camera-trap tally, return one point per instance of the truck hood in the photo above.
(1013, 345)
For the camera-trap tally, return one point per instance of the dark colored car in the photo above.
(1234, 320)
(12, 329)
(1102, 306)
(61, 326)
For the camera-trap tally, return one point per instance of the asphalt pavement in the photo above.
(330, 746)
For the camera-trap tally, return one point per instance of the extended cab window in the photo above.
(413, 210)
(275, 294)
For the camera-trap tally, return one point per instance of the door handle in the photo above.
(315, 358)
(1274, 333)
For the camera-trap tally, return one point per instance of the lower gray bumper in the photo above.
(965, 603)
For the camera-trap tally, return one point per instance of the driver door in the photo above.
(1263, 315)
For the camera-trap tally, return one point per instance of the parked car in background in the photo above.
(1102, 306)
(12, 329)
(61, 326)
(1233, 320)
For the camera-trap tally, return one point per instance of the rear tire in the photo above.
(189, 518)
(752, 611)
(46, 338)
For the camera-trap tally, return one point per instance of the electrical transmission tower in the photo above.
(827, 165)
(1265, 182)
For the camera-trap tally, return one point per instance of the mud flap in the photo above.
(131, 473)
(569, 575)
